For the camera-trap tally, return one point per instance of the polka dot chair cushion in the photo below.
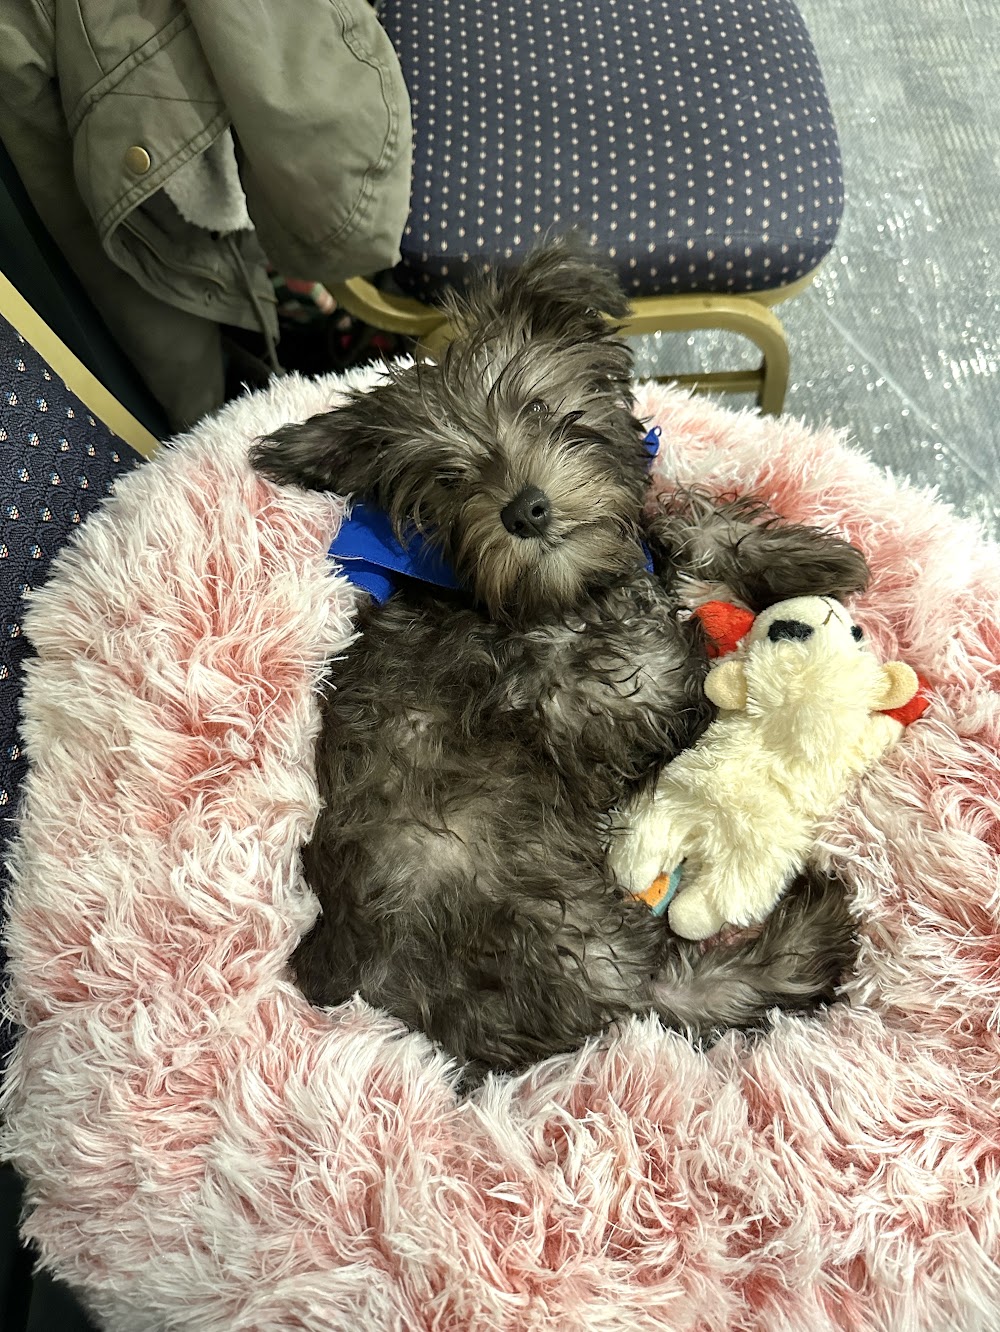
(692, 140)
(57, 462)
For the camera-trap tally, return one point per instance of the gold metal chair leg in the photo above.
(750, 316)
(734, 314)
(395, 314)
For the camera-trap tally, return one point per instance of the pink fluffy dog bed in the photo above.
(205, 1152)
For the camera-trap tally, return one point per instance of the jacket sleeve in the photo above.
(322, 120)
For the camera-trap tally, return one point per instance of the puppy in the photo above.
(474, 743)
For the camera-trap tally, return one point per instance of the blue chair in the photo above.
(690, 140)
(64, 440)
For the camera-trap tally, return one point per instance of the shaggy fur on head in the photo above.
(206, 1151)
(534, 393)
(474, 746)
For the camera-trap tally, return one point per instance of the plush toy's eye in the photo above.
(857, 633)
(783, 631)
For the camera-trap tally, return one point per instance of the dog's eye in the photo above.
(448, 480)
(857, 633)
(536, 405)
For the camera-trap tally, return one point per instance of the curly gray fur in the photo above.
(473, 744)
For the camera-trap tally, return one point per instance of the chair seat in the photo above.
(691, 140)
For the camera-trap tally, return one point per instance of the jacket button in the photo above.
(137, 160)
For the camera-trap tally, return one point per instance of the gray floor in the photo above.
(899, 339)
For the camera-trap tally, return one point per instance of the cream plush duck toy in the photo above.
(804, 710)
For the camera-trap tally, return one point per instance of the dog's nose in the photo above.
(528, 514)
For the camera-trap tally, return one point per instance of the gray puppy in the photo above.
(474, 743)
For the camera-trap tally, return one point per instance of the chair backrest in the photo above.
(694, 145)
(61, 450)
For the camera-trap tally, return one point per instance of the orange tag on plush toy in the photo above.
(657, 896)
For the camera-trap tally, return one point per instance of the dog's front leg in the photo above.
(758, 557)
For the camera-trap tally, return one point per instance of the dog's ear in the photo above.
(341, 450)
(561, 290)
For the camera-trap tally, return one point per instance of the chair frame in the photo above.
(751, 315)
(78, 379)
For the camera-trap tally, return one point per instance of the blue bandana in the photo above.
(373, 559)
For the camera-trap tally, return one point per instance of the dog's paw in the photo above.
(276, 460)
(790, 560)
(306, 453)
(835, 568)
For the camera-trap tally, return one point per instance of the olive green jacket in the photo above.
(103, 102)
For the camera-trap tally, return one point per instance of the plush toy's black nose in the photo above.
(789, 630)
(528, 514)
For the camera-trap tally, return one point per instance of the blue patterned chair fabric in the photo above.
(57, 462)
(692, 140)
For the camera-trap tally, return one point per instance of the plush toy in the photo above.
(805, 708)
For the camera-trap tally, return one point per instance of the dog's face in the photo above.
(518, 452)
